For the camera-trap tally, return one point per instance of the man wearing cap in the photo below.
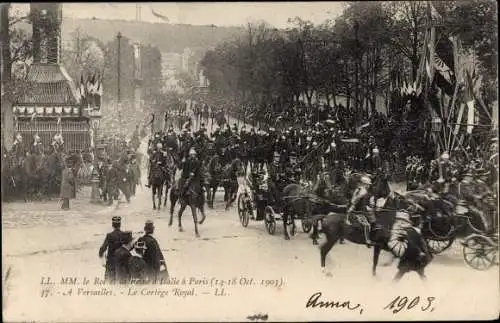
(191, 169)
(137, 266)
(362, 202)
(153, 257)
(111, 243)
(122, 256)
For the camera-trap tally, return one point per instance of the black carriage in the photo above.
(256, 203)
(440, 229)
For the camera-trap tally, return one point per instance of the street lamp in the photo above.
(119, 37)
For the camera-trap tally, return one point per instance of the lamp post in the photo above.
(118, 67)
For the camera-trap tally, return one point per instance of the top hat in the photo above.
(126, 237)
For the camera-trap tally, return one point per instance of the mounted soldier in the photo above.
(58, 143)
(18, 149)
(155, 158)
(191, 169)
(362, 202)
(37, 148)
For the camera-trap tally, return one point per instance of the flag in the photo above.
(82, 87)
(459, 119)
(429, 55)
(443, 69)
(469, 101)
(435, 16)
(158, 15)
(99, 92)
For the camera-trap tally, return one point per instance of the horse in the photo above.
(34, 172)
(170, 167)
(193, 197)
(158, 178)
(341, 195)
(215, 177)
(230, 181)
(334, 227)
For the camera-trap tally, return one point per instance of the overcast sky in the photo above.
(203, 13)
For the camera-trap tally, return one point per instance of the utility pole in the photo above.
(119, 37)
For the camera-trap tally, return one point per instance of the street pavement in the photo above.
(40, 240)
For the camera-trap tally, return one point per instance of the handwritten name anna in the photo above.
(315, 301)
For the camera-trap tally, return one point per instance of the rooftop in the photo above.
(49, 84)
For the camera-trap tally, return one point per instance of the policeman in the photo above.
(362, 202)
(153, 257)
(111, 244)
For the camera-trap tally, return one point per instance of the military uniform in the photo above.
(111, 243)
(191, 170)
(361, 202)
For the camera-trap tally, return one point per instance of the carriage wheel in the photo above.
(479, 253)
(436, 246)
(293, 229)
(441, 227)
(241, 203)
(269, 220)
(306, 225)
(243, 211)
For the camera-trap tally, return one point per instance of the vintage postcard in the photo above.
(249, 161)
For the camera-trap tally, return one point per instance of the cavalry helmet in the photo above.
(366, 180)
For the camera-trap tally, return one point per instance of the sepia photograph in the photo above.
(249, 161)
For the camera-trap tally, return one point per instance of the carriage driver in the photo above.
(362, 202)
(156, 157)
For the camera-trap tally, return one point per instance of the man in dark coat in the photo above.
(122, 256)
(152, 254)
(67, 183)
(136, 264)
(111, 244)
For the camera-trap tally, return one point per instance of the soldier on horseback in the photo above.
(156, 157)
(17, 148)
(191, 169)
(362, 202)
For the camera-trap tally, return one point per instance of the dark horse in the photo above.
(298, 200)
(342, 194)
(170, 168)
(158, 178)
(214, 179)
(334, 227)
(193, 197)
(230, 181)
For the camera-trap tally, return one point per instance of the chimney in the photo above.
(46, 24)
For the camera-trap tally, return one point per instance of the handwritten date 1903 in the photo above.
(404, 303)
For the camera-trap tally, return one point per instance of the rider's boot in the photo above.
(368, 229)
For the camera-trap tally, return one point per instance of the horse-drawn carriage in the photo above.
(480, 248)
(446, 220)
(257, 203)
